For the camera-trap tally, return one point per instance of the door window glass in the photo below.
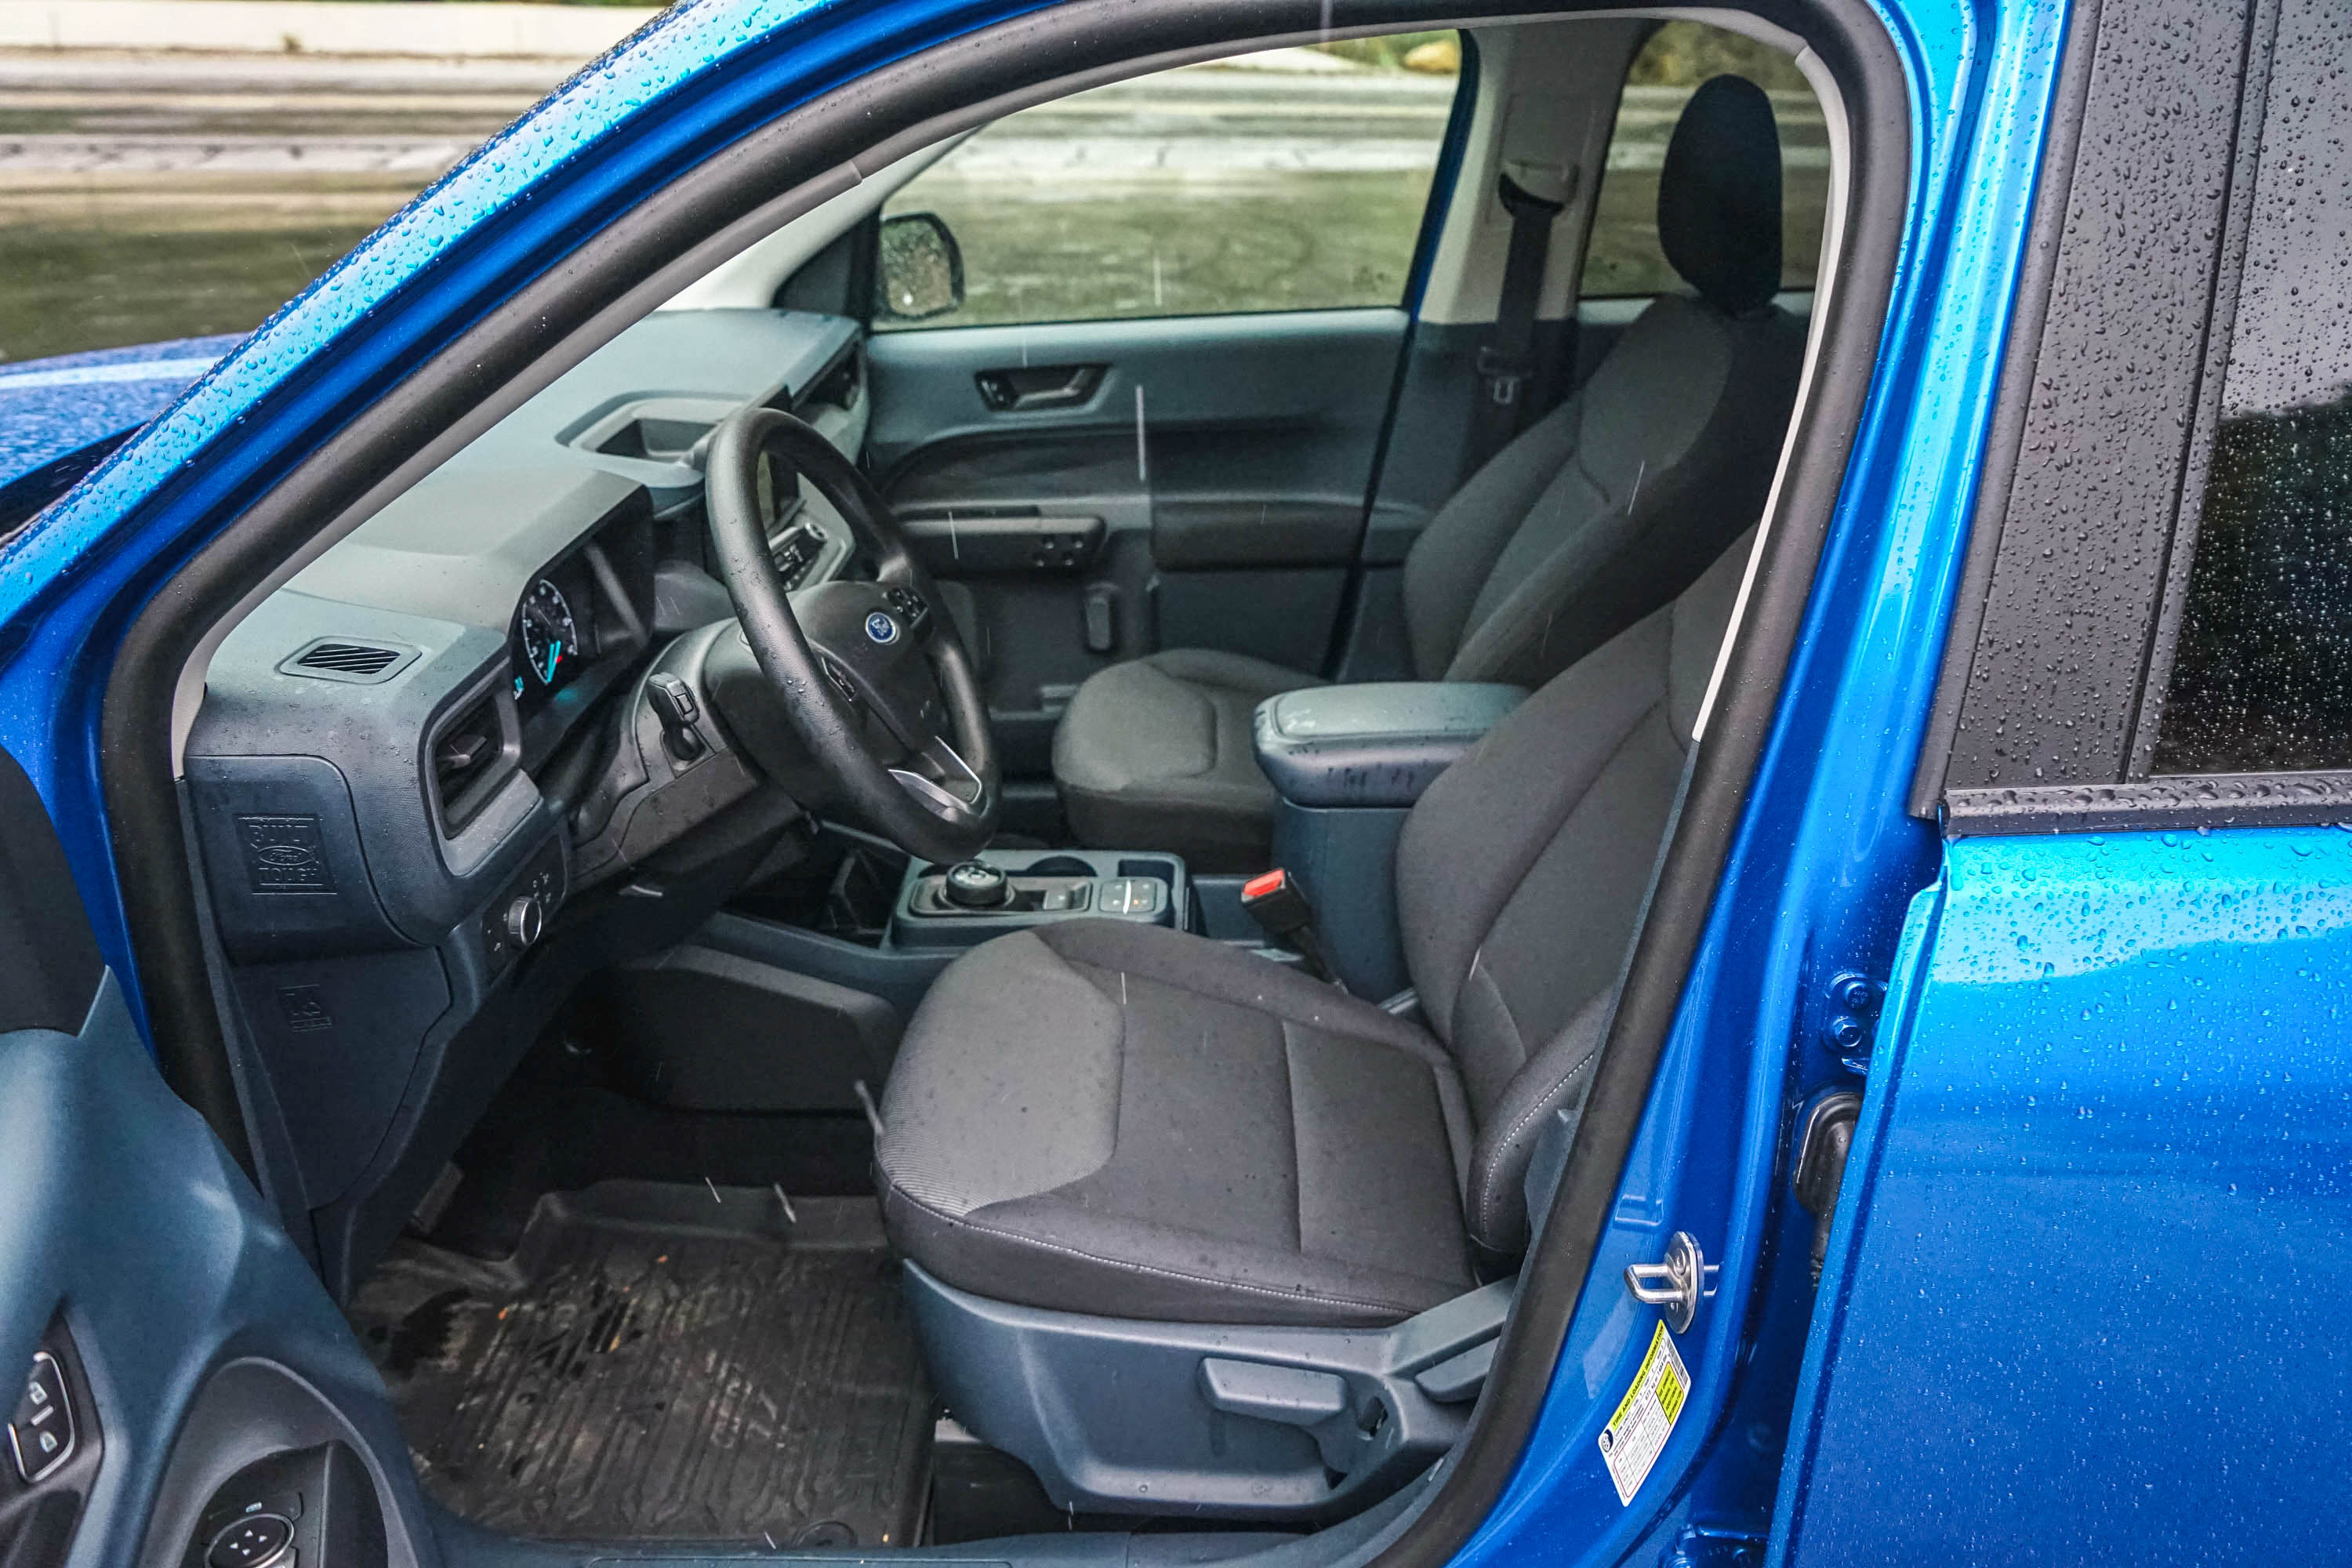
(1290, 179)
(1623, 257)
(2262, 674)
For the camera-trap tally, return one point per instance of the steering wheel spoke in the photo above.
(940, 777)
(871, 676)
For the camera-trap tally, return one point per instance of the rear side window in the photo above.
(1291, 180)
(2262, 674)
(1622, 258)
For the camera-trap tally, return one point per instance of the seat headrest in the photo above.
(1719, 195)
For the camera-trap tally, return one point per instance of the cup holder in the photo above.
(1057, 865)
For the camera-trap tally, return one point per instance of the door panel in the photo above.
(2082, 1300)
(1204, 488)
(193, 1337)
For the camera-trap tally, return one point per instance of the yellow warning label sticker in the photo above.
(1645, 1417)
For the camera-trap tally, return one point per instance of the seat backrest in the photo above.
(1521, 872)
(1609, 505)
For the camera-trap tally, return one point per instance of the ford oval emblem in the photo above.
(881, 627)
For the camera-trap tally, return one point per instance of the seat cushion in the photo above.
(1129, 1121)
(1155, 754)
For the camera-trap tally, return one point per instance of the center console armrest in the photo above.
(1377, 744)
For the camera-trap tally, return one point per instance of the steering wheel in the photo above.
(872, 676)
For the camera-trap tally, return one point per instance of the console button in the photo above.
(255, 1540)
(41, 1434)
(1129, 896)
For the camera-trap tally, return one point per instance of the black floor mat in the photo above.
(661, 1361)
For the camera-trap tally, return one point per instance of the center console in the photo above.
(1002, 890)
(1348, 761)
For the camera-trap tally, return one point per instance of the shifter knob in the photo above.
(975, 885)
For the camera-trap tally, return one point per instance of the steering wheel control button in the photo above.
(881, 628)
(975, 885)
(255, 1540)
(41, 1434)
(907, 603)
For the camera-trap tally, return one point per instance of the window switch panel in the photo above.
(41, 1432)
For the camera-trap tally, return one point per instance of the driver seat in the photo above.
(1125, 1122)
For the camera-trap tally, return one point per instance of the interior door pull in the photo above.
(1020, 390)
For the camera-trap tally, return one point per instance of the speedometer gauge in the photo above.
(551, 642)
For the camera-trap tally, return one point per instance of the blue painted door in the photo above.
(2084, 1304)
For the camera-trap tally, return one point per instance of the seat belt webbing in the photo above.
(1506, 362)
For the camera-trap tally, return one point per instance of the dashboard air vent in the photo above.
(361, 663)
(466, 752)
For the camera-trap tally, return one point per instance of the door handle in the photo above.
(1027, 388)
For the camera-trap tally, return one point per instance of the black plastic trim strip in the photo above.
(1049, 45)
(2010, 406)
(2220, 327)
(2199, 800)
(2062, 616)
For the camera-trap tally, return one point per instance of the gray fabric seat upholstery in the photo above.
(1594, 516)
(1135, 1122)
(1155, 753)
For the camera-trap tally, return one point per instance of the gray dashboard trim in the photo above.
(465, 544)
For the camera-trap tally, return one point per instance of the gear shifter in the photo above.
(975, 885)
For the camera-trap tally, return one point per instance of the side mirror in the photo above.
(918, 273)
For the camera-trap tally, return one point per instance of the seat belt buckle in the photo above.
(1279, 906)
(1276, 903)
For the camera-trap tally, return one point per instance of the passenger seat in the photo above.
(1593, 518)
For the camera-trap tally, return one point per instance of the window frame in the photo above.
(2089, 729)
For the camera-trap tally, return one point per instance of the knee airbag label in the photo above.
(1645, 1416)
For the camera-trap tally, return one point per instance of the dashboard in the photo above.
(426, 743)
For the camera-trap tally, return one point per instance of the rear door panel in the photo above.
(2084, 1299)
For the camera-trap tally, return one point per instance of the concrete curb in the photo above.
(413, 28)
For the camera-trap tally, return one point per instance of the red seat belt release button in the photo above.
(1276, 903)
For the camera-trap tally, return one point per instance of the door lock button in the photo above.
(255, 1540)
(41, 1432)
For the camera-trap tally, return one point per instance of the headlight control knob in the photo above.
(526, 919)
(976, 885)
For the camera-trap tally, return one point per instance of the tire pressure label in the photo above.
(1645, 1416)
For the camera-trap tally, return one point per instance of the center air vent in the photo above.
(466, 754)
(361, 663)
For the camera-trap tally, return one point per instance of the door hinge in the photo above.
(1851, 1027)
